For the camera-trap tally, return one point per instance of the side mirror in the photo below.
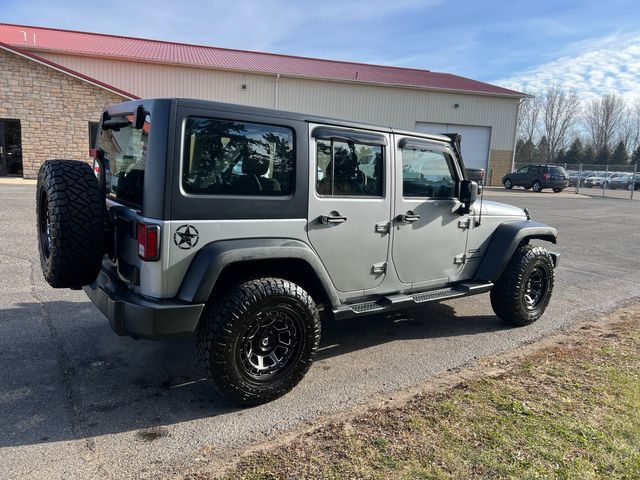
(468, 193)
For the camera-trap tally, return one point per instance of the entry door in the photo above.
(350, 205)
(10, 147)
(429, 235)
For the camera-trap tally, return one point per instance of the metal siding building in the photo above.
(407, 98)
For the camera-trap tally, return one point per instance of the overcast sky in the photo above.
(593, 46)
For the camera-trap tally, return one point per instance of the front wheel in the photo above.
(258, 341)
(522, 293)
(537, 186)
(508, 184)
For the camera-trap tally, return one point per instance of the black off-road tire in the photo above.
(228, 320)
(71, 219)
(508, 296)
(558, 190)
(537, 186)
(508, 184)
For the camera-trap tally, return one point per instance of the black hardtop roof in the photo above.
(268, 112)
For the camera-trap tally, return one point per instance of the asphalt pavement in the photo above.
(77, 401)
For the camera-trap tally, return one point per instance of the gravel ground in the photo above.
(77, 401)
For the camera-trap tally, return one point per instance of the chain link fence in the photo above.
(616, 181)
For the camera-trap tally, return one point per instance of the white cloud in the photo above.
(591, 67)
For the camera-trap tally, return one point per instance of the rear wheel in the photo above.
(71, 214)
(258, 341)
(508, 184)
(537, 186)
(522, 293)
(558, 190)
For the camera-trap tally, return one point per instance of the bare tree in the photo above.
(603, 119)
(560, 112)
(629, 133)
(529, 117)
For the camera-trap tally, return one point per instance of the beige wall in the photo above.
(499, 165)
(53, 108)
(394, 106)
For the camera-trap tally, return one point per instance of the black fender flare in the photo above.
(212, 259)
(506, 239)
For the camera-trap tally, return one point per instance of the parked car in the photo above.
(597, 179)
(219, 228)
(620, 181)
(537, 177)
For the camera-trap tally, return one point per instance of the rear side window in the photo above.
(237, 158)
(426, 173)
(347, 168)
(125, 151)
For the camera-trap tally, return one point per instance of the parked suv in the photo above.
(537, 178)
(242, 226)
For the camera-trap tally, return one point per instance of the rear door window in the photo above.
(224, 157)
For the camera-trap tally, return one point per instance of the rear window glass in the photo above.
(237, 158)
(125, 152)
(558, 170)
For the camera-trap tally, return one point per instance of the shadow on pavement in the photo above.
(74, 378)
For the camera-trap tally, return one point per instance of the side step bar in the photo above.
(401, 300)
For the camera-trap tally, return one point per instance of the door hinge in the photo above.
(459, 259)
(382, 227)
(379, 267)
(464, 224)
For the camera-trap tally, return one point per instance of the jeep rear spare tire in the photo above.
(70, 213)
(522, 293)
(257, 341)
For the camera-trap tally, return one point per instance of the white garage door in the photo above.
(475, 141)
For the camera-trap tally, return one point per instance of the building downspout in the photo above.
(276, 91)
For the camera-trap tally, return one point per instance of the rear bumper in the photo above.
(136, 316)
(556, 184)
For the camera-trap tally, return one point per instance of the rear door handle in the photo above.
(408, 217)
(333, 217)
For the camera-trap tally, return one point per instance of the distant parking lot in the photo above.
(78, 401)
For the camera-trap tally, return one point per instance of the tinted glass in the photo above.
(558, 171)
(349, 168)
(237, 158)
(426, 173)
(125, 152)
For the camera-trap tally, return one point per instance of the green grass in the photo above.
(570, 411)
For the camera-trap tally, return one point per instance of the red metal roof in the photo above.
(139, 49)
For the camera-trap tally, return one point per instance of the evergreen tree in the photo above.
(635, 156)
(604, 155)
(620, 155)
(525, 151)
(561, 157)
(575, 154)
(589, 155)
(541, 150)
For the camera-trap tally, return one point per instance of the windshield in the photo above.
(124, 150)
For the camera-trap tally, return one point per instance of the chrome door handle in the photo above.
(333, 217)
(408, 217)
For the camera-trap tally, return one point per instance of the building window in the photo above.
(348, 168)
(225, 157)
(93, 133)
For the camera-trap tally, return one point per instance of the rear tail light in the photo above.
(547, 176)
(148, 242)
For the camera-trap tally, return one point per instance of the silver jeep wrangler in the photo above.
(241, 225)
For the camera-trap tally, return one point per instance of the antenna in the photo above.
(24, 36)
